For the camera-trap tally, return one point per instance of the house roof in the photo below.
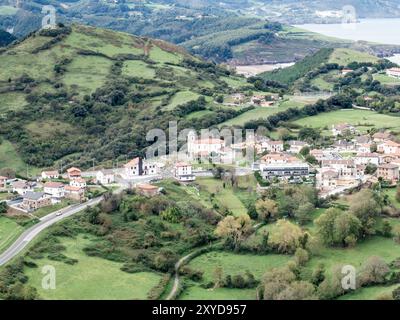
(147, 187)
(182, 164)
(382, 135)
(107, 171)
(19, 184)
(30, 195)
(54, 185)
(72, 189)
(70, 170)
(330, 174)
(133, 162)
(3, 178)
(50, 173)
(274, 142)
(80, 180)
(297, 143)
(368, 155)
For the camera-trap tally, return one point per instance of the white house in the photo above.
(149, 168)
(271, 146)
(203, 147)
(183, 172)
(21, 187)
(367, 158)
(50, 175)
(78, 182)
(342, 128)
(133, 168)
(345, 168)
(3, 182)
(105, 176)
(54, 189)
(296, 146)
(139, 167)
(389, 147)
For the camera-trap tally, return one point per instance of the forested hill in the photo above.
(6, 38)
(81, 93)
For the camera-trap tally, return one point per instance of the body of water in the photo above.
(385, 31)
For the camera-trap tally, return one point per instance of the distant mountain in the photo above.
(233, 31)
(6, 38)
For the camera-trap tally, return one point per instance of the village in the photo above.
(347, 164)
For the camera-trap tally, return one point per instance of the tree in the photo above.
(366, 208)
(298, 290)
(396, 294)
(218, 277)
(281, 284)
(318, 275)
(234, 229)
(370, 168)
(3, 208)
(305, 151)
(303, 213)
(301, 256)
(386, 229)
(331, 287)
(396, 233)
(374, 271)
(171, 214)
(335, 227)
(285, 236)
(267, 209)
(398, 194)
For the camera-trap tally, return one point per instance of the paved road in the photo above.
(44, 223)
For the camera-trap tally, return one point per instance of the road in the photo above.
(44, 223)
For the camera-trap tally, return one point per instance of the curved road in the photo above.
(45, 222)
(183, 260)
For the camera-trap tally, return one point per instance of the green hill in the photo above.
(340, 56)
(81, 93)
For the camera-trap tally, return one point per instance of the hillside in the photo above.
(83, 93)
(339, 57)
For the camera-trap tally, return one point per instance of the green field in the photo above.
(224, 196)
(9, 158)
(181, 98)
(345, 56)
(385, 248)
(138, 68)
(385, 79)
(392, 197)
(231, 264)
(9, 231)
(362, 119)
(7, 10)
(90, 278)
(12, 101)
